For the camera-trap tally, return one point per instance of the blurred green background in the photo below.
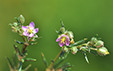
(84, 17)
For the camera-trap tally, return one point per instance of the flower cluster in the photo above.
(28, 33)
(66, 41)
(99, 44)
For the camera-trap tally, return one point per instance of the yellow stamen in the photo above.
(30, 31)
(63, 40)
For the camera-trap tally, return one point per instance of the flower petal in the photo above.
(67, 43)
(67, 40)
(25, 33)
(58, 39)
(32, 25)
(24, 28)
(35, 30)
(62, 35)
(61, 44)
(31, 35)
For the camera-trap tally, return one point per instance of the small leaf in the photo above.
(61, 23)
(29, 59)
(17, 49)
(19, 42)
(25, 53)
(89, 49)
(78, 42)
(17, 19)
(58, 63)
(17, 52)
(44, 60)
(93, 52)
(27, 67)
(56, 31)
(84, 53)
(32, 43)
(9, 63)
(14, 60)
(66, 65)
(20, 66)
(10, 24)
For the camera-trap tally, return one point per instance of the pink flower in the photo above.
(63, 39)
(30, 30)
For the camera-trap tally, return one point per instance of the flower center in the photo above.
(63, 40)
(30, 31)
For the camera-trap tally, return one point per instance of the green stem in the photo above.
(95, 49)
(24, 48)
(51, 65)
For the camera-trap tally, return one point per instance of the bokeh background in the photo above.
(84, 17)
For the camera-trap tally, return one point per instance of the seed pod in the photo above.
(99, 44)
(94, 39)
(102, 51)
(66, 49)
(74, 50)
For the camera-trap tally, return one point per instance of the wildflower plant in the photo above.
(65, 41)
(29, 35)
(69, 45)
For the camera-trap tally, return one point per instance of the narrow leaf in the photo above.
(19, 42)
(85, 57)
(61, 23)
(29, 59)
(58, 63)
(93, 52)
(20, 66)
(78, 42)
(17, 49)
(66, 65)
(14, 61)
(32, 43)
(44, 60)
(9, 63)
(27, 67)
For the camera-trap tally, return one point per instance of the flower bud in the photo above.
(99, 44)
(94, 40)
(69, 33)
(21, 19)
(13, 29)
(102, 51)
(15, 24)
(74, 50)
(66, 49)
(62, 29)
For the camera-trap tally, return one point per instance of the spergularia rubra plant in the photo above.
(65, 41)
